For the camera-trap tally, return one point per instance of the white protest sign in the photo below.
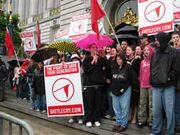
(78, 27)
(155, 16)
(176, 5)
(63, 89)
(61, 34)
(28, 41)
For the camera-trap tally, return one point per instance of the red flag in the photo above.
(96, 14)
(9, 43)
(38, 35)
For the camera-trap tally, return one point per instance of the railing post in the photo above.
(10, 128)
(1, 126)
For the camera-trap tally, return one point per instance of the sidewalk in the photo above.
(105, 129)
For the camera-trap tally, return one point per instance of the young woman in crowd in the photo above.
(110, 62)
(145, 104)
(123, 80)
(134, 61)
(39, 88)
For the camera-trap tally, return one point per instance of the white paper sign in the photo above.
(78, 27)
(63, 89)
(155, 16)
(176, 5)
(28, 41)
(61, 34)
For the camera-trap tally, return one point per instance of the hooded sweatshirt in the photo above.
(163, 41)
(144, 75)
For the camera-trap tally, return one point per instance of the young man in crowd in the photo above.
(163, 76)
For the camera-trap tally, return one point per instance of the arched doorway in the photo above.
(116, 9)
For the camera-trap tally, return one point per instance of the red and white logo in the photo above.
(63, 89)
(78, 27)
(28, 43)
(154, 11)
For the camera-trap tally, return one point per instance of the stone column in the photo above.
(34, 7)
(57, 3)
(27, 9)
(44, 5)
(15, 6)
(50, 4)
(40, 10)
(21, 9)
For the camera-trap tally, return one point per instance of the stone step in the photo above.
(24, 107)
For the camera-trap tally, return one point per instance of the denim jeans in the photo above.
(40, 102)
(163, 98)
(32, 95)
(177, 109)
(121, 105)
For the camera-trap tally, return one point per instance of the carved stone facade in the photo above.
(56, 14)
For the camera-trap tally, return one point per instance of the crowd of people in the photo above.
(128, 83)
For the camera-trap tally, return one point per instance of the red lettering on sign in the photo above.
(67, 68)
(65, 109)
(157, 28)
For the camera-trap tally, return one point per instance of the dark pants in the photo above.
(2, 88)
(92, 98)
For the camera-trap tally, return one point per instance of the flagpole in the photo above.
(17, 58)
(114, 33)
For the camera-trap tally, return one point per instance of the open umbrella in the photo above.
(64, 45)
(14, 63)
(43, 54)
(125, 36)
(90, 39)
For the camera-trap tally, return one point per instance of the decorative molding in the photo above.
(54, 11)
(37, 17)
(23, 23)
(129, 17)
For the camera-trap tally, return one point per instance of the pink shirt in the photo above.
(144, 75)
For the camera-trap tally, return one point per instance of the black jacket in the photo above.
(38, 82)
(125, 77)
(178, 79)
(94, 74)
(164, 68)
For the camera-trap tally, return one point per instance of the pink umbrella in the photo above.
(90, 39)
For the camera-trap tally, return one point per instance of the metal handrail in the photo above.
(22, 124)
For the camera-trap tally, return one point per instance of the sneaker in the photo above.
(71, 120)
(32, 108)
(44, 111)
(107, 116)
(80, 122)
(97, 123)
(88, 124)
(37, 110)
(140, 125)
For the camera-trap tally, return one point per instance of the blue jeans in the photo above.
(121, 105)
(32, 95)
(163, 98)
(177, 109)
(40, 102)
